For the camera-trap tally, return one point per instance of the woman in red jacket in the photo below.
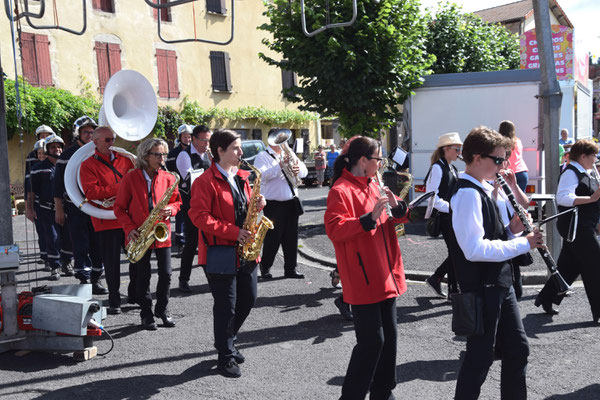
(218, 207)
(138, 194)
(370, 266)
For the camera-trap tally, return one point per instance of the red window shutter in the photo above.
(114, 58)
(106, 5)
(28, 58)
(172, 71)
(42, 52)
(165, 14)
(97, 4)
(103, 66)
(163, 74)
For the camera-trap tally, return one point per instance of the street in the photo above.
(296, 344)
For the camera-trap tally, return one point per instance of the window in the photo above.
(168, 85)
(103, 5)
(35, 55)
(216, 6)
(219, 67)
(288, 79)
(108, 56)
(165, 13)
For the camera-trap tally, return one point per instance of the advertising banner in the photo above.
(562, 43)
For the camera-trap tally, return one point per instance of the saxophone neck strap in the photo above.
(285, 176)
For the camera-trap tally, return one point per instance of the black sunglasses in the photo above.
(159, 154)
(496, 160)
(109, 139)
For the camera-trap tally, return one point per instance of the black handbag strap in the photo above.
(285, 176)
(109, 165)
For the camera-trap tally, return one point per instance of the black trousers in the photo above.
(54, 235)
(285, 233)
(142, 283)
(88, 264)
(110, 243)
(446, 267)
(180, 229)
(40, 232)
(503, 336)
(234, 296)
(578, 258)
(190, 248)
(372, 365)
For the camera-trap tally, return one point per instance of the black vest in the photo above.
(197, 163)
(171, 162)
(448, 181)
(472, 275)
(589, 214)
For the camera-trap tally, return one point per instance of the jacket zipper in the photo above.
(363, 267)
(389, 262)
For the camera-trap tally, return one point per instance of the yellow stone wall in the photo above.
(74, 65)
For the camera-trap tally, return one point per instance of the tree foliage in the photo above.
(359, 73)
(463, 42)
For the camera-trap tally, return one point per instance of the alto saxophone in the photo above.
(403, 193)
(250, 250)
(150, 230)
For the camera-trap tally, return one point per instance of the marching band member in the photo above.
(370, 266)
(184, 136)
(193, 157)
(138, 194)
(220, 198)
(101, 176)
(88, 266)
(481, 247)
(442, 178)
(578, 187)
(282, 208)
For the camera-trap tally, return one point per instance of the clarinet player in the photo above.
(578, 187)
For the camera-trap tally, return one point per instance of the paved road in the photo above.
(298, 347)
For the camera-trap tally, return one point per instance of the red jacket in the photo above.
(369, 262)
(211, 209)
(99, 182)
(131, 206)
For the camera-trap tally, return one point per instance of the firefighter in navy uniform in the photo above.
(184, 136)
(41, 133)
(42, 180)
(88, 265)
(192, 158)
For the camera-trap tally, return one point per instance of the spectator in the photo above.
(565, 140)
(320, 165)
(515, 160)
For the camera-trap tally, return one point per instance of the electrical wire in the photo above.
(112, 342)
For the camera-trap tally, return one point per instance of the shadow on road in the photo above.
(590, 392)
(295, 301)
(536, 324)
(425, 309)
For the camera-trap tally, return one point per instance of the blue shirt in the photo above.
(563, 142)
(331, 156)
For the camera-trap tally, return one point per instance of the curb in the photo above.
(529, 278)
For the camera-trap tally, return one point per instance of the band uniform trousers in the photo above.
(53, 236)
(190, 248)
(180, 229)
(372, 365)
(285, 218)
(234, 296)
(446, 267)
(110, 242)
(579, 257)
(87, 265)
(503, 336)
(40, 232)
(142, 287)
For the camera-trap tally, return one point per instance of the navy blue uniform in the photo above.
(42, 177)
(171, 165)
(30, 161)
(87, 265)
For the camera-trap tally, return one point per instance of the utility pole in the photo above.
(551, 98)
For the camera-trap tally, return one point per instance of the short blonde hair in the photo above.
(145, 148)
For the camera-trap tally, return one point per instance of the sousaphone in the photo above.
(130, 109)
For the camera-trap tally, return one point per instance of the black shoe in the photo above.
(55, 274)
(149, 324)
(185, 287)
(266, 277)
(97, 288)
(131, 300)
(436, 285)
(547, 307)
(67, 268)
(113, 310)
(229, 369)
(344, 308)
(166, 319)
(294, 275)
(595, 318)
(238, 357)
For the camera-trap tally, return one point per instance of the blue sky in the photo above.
(583, 14)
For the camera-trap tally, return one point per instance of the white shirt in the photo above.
(467, 221)
(184, 162)
(433, 184)
(273, 183)
(148, 180)
(565, 194)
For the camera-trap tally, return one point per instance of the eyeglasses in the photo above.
(459, 149)
(159, 155)
(109, 139)
(496, 160)
(374, 158)
(204, 140)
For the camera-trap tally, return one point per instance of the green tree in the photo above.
(359, 73)
(465, 43)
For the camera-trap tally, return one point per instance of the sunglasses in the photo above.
(109, 139)
(496, 160)
(459, 149)
(159, 155)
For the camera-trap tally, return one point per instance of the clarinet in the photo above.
(561, 285)
(382, 193)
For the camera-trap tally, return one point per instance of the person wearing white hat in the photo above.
(441, 178)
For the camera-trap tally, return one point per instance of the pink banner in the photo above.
(562, 43)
